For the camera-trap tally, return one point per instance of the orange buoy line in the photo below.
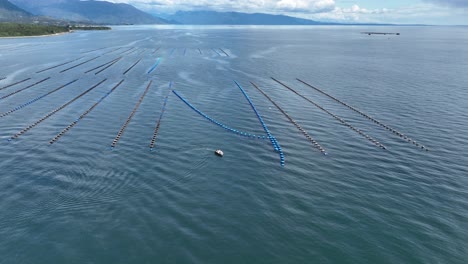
(224, 52)
(53, 67)
(70, 126)
(54, 111)
(105, 68)
(13, 84)
(122, 129)
(102, 65)
(35, 99)
(79, 64)
(341, 120)
(315, 143)
(25, 88)
(158, 124)
(131, 67)
(401, 135)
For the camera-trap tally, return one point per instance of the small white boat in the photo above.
(219, 152)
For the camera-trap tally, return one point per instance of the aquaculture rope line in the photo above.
(102, 65)
(35, 99)
(224, 52)
(315, 143)
(25, 88)
(131, 67)
(53, 67)
(70, 126)
(341, 120)
(273, 140)
(401, 135)
(214, 121)
(154, 66)
(74, 66)
(122, 129)
(55, 111)
(158, 124)
(108, 66)
(13, 84)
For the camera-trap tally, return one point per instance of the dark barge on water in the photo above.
(379, 33)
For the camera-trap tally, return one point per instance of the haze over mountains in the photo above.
(10, 12)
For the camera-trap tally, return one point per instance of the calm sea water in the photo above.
(80, 201)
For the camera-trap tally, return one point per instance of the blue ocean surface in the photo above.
(107, 143)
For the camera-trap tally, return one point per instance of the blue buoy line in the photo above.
(158, 124)
(55, 111)
(102, 65)
(129, 118)
(154, 66)
(245, 134)
(315, 143)
(25, 88)
(35, 99)
(79, 64)
(273, 140)
(401, 135)
(341, 120)
(13, 84)
(70, 126)
(131, 67)
(53, 67)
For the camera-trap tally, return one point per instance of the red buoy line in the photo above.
(341, 120)
(315, 143)
(124, 126)
(79, 64)
(158, 124)
(35, 99)
(70, 126)
(102, 65)
(224, 52)
(131, 67)
(54, 111)
(13, 84)
(401, 135)
(53, 67)
(105, 68)
(25, 88)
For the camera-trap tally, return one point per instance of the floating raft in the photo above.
(341, 120)
(401, 135)
(25, 88)
(122, 129)
(55, 111)
(214, 121)
(70, 126)
(315, 143)
(13, 84)
(158, 124)
(273, 140)
(35, 99)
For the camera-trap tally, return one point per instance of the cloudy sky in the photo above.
(442, 12)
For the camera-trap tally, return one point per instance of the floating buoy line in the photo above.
(315, 143)
(156, 50)
(172, 51)
(131, 67)
(224, 52)
(56, 66)
(25, 88)
(108, 66)
(54, 111)
(273, 140)
(154, 66)
(185, 51)
(74, 66)
(112, 51)
(158, 123)
(360, 132)
(401, 135)
(94, 50)
(122, 129)
(241, 133)
(199, 51)
(35, 99)
(102, 65)
(13, 84)
(70, 126)
(127, 50)
(2, 78)
(216, 51)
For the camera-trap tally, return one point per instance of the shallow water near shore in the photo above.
(80, 200)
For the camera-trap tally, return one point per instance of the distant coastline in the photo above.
(19, 30)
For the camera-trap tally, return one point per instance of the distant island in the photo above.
(25, 30)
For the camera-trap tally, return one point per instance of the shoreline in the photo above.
(38, 36)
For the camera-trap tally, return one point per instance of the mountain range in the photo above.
(11, 13)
